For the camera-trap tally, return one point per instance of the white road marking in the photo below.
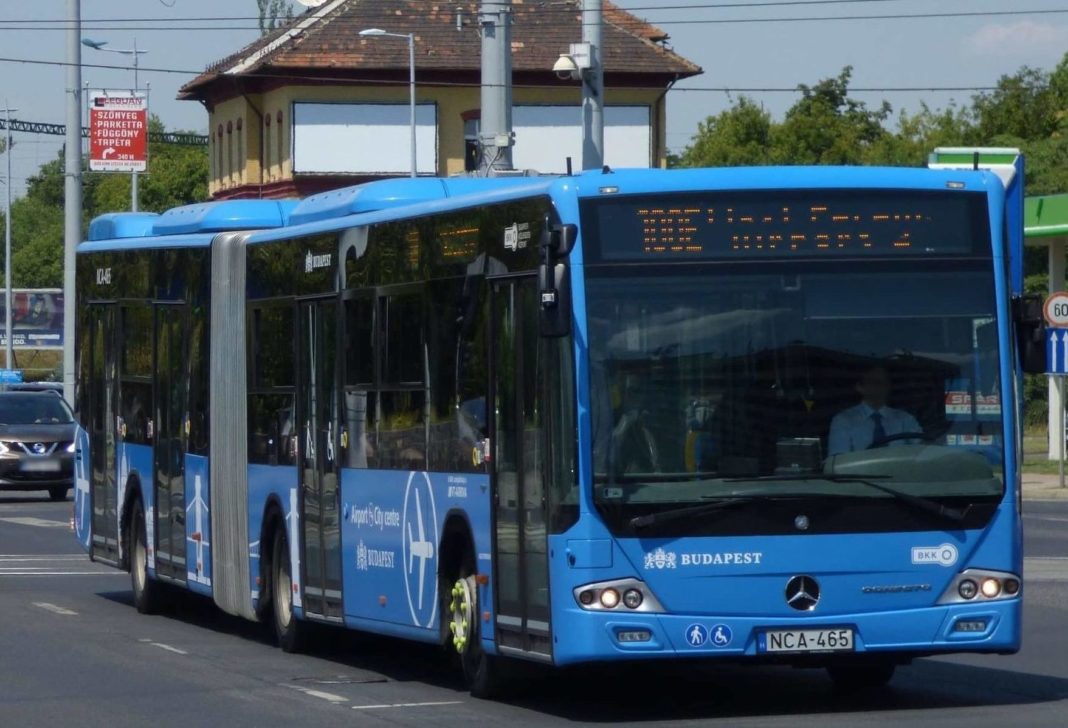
(1039, 517)
(49, 565)
(1046, 568)
(40, 522)
(162, 646)
(406, 705)
(55, 609)
(321, 694)
(23, 572)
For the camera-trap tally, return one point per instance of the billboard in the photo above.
(36, 319)
(375, 138)
(545, 136)
(118, 131)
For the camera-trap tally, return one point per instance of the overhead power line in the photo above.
(281, 74)
(637, 22)
(92, 22)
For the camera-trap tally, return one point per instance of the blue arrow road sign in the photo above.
(1056, 351)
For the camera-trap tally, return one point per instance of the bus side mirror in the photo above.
(554, 279)
(1030, 333)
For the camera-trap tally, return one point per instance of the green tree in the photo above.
(741, 135)
(177, 175)
(920, 133)
(826, 126)
(273, 13)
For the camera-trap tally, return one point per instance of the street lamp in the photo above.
(9, 348)
(370, 32)
(134, 53)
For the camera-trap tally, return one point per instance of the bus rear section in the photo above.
(800, 442)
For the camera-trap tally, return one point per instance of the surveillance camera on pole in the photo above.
(572, 65)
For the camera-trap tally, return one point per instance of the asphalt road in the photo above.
(73, 651)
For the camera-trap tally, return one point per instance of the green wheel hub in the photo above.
(461, 605)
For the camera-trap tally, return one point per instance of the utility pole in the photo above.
(133, 175)
(9, 349)
(72, 188)
(495, 133)
(592, 88)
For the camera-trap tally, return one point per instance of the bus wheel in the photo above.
(146, 591)
(484, 674)
(851, 678)
(288, 630)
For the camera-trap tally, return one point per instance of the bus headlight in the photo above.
(618, 595)
(609, 598)
(981, 585)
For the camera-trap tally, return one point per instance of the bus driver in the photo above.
(871, 421)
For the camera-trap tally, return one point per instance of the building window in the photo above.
(472, 126)
(268, 173)
(219, 173)
(281, 141)
(229, 153)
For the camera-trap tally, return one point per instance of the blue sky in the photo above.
(962, 51)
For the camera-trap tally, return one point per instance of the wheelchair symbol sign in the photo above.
(721, 635)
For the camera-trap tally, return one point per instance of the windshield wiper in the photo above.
(721, 503)
(918, 502)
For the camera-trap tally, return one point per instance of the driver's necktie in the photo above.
(878, 432)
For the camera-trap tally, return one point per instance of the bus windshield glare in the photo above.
(795, 381)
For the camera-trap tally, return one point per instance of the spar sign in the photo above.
(118, 131)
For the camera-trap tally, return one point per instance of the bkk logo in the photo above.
(944, 555)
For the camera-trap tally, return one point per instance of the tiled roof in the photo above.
(325, 41)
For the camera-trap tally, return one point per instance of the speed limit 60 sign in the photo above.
(1055, 311)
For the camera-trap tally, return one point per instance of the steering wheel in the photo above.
(886, 440)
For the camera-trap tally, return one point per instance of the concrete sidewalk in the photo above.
(1040, 486)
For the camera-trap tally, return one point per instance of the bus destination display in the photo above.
(725, 225)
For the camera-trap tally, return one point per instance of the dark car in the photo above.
(36, 443)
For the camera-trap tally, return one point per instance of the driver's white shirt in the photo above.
(854, 428)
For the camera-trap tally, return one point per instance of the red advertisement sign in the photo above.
(118, 132)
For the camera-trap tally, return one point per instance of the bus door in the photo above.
(101, 425)
(317, 408)
(518, 469)
(170, 439)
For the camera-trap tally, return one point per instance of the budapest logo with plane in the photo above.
(419, 522)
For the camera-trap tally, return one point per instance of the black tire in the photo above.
(486, 676)
(147, 593)
(290, 633)
(58, 492)
(858, 677)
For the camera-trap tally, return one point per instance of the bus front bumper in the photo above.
(595, 636)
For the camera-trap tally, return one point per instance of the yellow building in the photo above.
(314, 106)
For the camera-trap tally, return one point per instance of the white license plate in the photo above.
(40, 466)
(806, 640)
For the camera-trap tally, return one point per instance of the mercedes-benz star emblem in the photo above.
(803, 593)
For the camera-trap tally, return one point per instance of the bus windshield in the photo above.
(786, 385)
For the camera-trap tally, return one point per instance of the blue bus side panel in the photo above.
(83, 520)
(136, 461)
(280, 483)
(392, 522)
(197, 525)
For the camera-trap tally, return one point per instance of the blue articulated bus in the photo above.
(750, 414)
